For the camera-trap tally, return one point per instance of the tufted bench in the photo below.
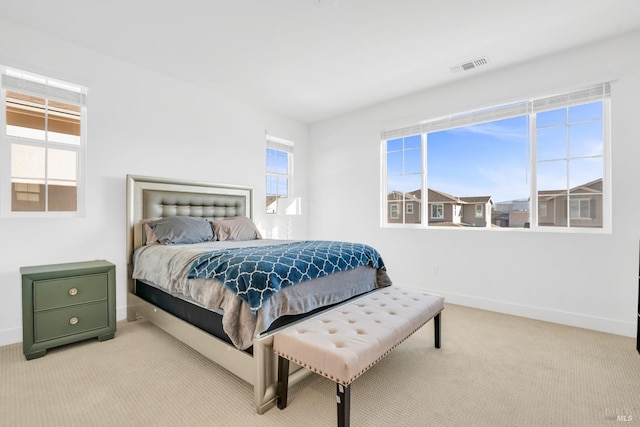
(344, 342)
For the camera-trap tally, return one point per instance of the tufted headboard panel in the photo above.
(159, 204)
(149, 197)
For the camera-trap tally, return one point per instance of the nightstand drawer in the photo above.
(69, 321)
(68, 291)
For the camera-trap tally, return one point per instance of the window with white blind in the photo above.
(488, 168)
(43, 140)
(279, 171)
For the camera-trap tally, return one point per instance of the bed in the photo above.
(235, 334)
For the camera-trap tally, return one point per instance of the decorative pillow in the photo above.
(236, 228)
(182, 229)
(150, 236)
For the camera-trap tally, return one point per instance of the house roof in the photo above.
(592, 187)
(436, 196)
(398, 195)
(478, 199)
(440, 197)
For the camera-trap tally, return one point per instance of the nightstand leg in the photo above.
(106, 337)
(35, 354)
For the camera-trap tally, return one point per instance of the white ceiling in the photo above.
(315, 59)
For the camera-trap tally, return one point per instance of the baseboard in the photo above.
(121, 313)
(601, 324)
(595, 323)
(10, 336)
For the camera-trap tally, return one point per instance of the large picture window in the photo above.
(488, 168)
(43, 140)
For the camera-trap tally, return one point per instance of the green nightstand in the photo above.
(65, 303)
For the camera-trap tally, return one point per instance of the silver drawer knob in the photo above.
(73, 320)
(73, 291)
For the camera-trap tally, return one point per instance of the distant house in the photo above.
(272, 204)
(443, 209)
(519, 219)
(513, 213)
(412, 207)
(584, 206)
(512, 205)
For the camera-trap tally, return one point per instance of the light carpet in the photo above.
(492, 370)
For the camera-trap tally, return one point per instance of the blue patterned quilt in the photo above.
(256, 273)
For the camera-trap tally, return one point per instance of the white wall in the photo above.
(587, 280)
(143, 123)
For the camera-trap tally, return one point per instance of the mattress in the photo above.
(165, 267)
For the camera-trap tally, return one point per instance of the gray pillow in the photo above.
(182, 229)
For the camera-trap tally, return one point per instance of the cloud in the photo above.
(495, 130)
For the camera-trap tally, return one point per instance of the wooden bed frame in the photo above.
(149, 197)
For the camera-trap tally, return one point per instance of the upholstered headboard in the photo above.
(149, 197)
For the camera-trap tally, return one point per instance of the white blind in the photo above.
(279, 144)
(32, 84)
(581, 96)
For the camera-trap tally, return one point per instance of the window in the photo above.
(409, 208)
(542, 209)
(42, 144)
(279, 171)
(404, 171)
(492, 165)
(394, 211)
(580, 209)
(437, 211)
(570, 150)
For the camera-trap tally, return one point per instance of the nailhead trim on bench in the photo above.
(332, 378)
(424, 309)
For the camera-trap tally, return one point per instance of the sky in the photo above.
(278, 163)
(493, 158)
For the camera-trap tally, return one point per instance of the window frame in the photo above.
(394, 210)
(596, 93)
(580, 201)
(51, 89)
(441, 209)
(287, 147)
(542, 204)
(409, 208)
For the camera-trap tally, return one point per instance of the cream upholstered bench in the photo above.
(342, 343)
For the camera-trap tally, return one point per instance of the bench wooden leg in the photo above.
(343, 398)
(283, 382)
(436, 329)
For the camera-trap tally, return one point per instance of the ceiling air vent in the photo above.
(470, 65)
